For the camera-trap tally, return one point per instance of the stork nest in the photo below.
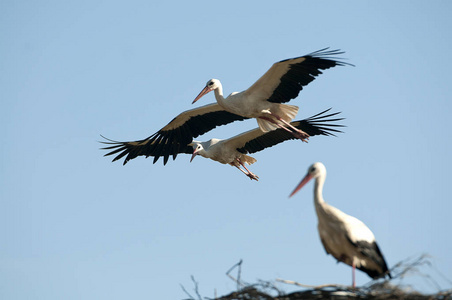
(382, 291)
(378, 289)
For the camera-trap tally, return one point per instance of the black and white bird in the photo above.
(282, 82)
(344, 237)
(265, 99)
(232, 151)
(177, 134)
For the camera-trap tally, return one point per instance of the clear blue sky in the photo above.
(73, 225)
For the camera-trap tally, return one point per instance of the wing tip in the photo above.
(331, 55)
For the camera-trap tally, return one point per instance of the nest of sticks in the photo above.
(377, 289)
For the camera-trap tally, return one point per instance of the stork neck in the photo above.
(219, 95)
(318, 189)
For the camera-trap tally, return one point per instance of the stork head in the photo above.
(314, 171)
(211, 85)
(197, 149)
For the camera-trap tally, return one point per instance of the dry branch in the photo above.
(383, 289)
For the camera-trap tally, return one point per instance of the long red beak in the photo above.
(203, 92)
(193, 155)
(301, 184)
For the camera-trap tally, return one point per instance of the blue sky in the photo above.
(76, 226)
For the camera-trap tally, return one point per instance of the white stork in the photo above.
(344, 237)
(233, 151)
(281, 83)
(194, 122)
(172, 138)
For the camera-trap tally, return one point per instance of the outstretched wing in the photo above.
(285, 79)
(144, 148)
(175, 136)
(256, 140)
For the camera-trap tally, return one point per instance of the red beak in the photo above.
(203, 92)
(301, 184)
(193, 155)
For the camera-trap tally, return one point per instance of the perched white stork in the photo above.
(233, 151)
(344, 237)
(281, 83)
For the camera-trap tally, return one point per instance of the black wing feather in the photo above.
(171, 142)
(372, 251)
(315, 125)
(143, 147)
(302, 73)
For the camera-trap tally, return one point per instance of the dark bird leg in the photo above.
(353, 274)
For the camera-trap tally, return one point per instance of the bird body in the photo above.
(232, 151)
(341, 233)
(281, 83)
(343, 236)
(250, 105)
(222, 151)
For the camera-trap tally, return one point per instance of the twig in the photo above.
(196, 289)
(312, 286)
(185, 291)
(408, 265)
(238, 280)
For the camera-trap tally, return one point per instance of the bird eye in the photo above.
(211, 83)
(313, 169)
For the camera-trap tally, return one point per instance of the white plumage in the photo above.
(344, 237)
(281, 83)
(232, 151)
(225, 152)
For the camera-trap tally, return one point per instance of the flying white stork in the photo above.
(344, 237)
(172, 138)
(194, 122)
(281, 83)
(232, 151)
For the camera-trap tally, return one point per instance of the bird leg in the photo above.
(299, 134)
(248, 173)
(353, 273)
